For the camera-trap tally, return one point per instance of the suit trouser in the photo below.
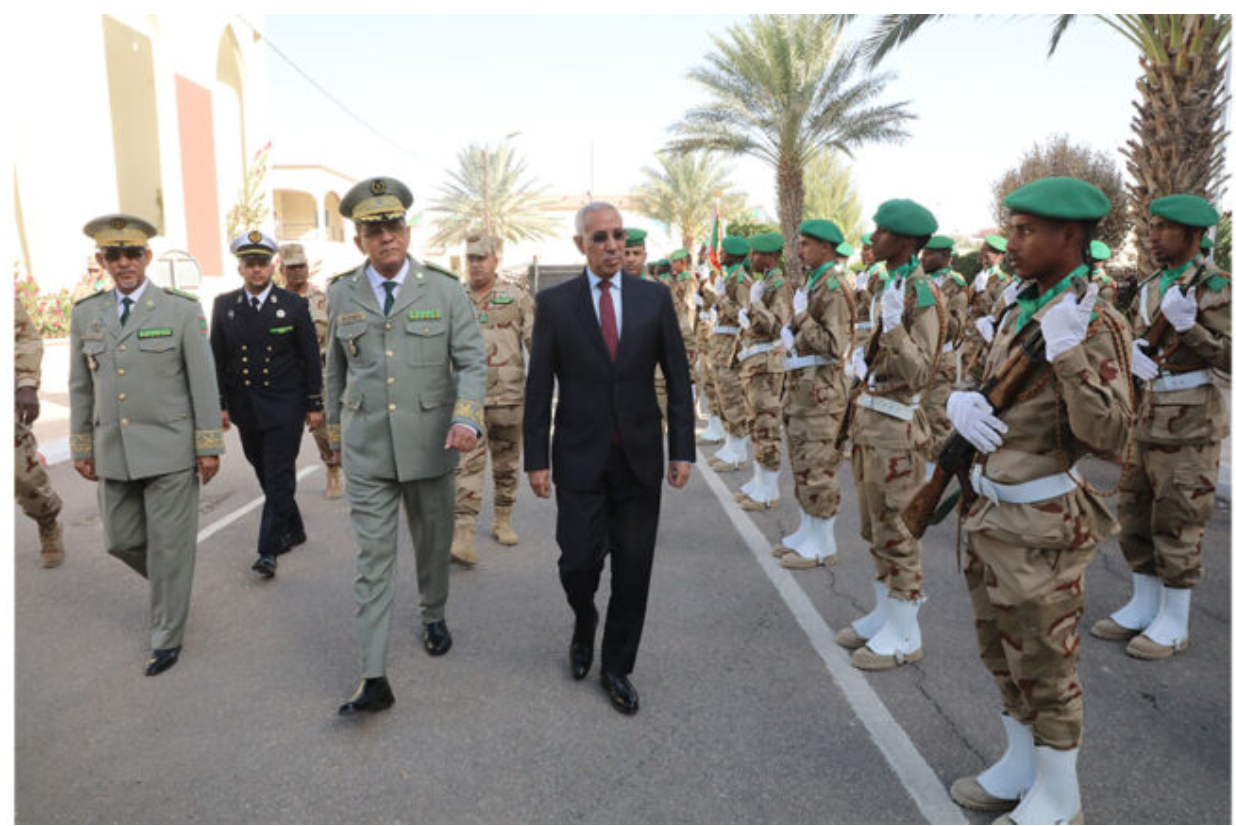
(272, 453)
(151, 526)
(618, 517)
(429, 505)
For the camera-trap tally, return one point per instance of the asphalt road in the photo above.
(742, 719)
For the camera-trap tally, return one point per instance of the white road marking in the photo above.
(918, 778)
(214, 527)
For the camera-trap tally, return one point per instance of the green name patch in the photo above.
(502, 299)
(425, 315)
(159, 332)
(279, 331)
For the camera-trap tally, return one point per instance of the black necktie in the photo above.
(257, 305)
(389, 286)
(124, 312)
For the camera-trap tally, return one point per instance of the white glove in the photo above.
(1010, 293)
(1144, 367)
(857, 366)
(1180, 309)
(980, 280)
(800, 301)
(712, 316)
(1064, 325)
(972, 417)
(699, 300)
(757, 291)
(719, 287)
(892, 305)
(744, 320)
(787, 339)
(860, 282)
(986, 325)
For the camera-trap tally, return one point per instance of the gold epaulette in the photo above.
(88, 297)
(181, 293)
(442, 270)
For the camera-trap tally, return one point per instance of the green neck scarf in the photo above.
(818, 273)
(1031, 304)
(904, 270)
(1168, 276)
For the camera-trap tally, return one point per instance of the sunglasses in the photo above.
(115, 253)
(601, 236)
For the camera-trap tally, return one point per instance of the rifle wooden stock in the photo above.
(1001, 391)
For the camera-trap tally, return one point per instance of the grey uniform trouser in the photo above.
(151, 526)
(430, 508)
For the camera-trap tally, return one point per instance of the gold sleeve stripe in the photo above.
(81, 445)
(208, 439)
(469, 411)
(334, 434)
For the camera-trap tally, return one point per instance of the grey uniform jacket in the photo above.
(395, 384)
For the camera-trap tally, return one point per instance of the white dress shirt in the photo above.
(376, 281)
(615, 292)
(261, 297)
(134, 296)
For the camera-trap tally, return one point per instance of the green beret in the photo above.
(635, 237)
(1189, 210)
(377, 199)
(767, 242)
(1064, 199)
(1206, 244)
(866, 239)
(940, 242)
(1100, 251)
(735, 245)
(904, 217)
(660, 262)
(845, 250)
(997, 242)
(120, 230)
(679, 254)
(821, 230)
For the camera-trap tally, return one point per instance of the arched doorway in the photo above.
(334, 221)
(296, 215)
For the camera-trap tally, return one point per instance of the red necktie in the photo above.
(609, 322)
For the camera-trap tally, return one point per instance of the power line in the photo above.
(339, 103)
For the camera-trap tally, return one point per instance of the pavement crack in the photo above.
(920, 684)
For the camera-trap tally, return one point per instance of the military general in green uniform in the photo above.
(405, 395)
(145, 422)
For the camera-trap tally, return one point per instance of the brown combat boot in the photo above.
(334, 481)
(51, 537)
(463, 551)
(502, 530)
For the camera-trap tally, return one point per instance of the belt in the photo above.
(888, 407)
(725, 330)
(803, 362)
(1036, 490)
(1181, 381)
(863, 325)
(753, 350)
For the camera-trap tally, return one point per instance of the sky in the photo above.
(590, 99)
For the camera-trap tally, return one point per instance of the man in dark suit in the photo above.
(601, 337)
(270, 382)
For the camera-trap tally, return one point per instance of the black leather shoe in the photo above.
(266, 565)
(581, 659)
(621, 693)
(292, 540)
(161, 659)
(374, 694)
(437, 638)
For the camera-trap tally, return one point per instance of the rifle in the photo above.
(856, 389)
(1001, 390)
(1159, 328)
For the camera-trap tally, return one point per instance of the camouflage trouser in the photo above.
(812, 410)
(31, 487)
(1166, 499)
(662, 397)
(323, 442)
(706, 378)
(936, 403)
(1028, 604)
(503, 437)
(971, 345)
(733, 407)
(886, 481)
(762, 389)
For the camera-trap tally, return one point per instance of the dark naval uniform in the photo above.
(270, 376)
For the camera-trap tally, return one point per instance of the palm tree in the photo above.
(1178, 125)
(683, 191)
(784, 91)
(490, 193)
(830, 194)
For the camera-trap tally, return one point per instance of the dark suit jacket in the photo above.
(597, 395)
(270, 373)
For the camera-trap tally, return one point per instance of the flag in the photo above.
(714, 242)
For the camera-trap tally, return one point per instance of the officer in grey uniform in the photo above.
(145, 422)
(405, 395)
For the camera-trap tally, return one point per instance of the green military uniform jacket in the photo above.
(143, 397)
(395, 384)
